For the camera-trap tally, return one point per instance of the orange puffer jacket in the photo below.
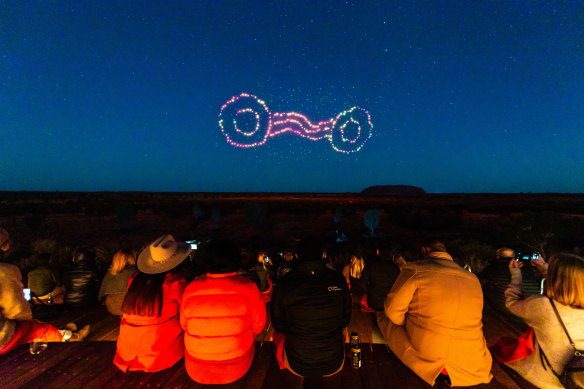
(221, 314)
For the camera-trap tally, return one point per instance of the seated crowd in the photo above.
(209, 310)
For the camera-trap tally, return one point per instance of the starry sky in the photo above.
(481, 96)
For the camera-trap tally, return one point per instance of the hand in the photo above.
(513, 264)
(540, 266)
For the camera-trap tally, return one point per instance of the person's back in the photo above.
(151, 338)
(435, 321)
(221, 313)
(377, 279)
(115, 283)
(81, 284)
(44, 279)
(311, 305)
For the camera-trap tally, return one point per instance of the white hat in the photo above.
(162, 255)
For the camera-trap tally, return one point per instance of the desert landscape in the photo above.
(472, 225)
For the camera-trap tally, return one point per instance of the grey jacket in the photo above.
(538, 313)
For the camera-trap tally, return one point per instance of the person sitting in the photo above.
(432, 320)
(115, 283)
(44, 281)
(263, 268)
(221, 313)
(81, 280)
(285, 266)
(377, 279)
(495, 278)
(352, 273)
(151, 338)
(310, 307)
(564, 289)
(16, 324)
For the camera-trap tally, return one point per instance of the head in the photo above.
(310, 249)
(565, 280)
(357, 265)
(220, 256)
(505, 254)
(122, 259)
(261, 258)
(288, 255)
(4, 240)
(83, 254)
(433, 246)
(338, 257)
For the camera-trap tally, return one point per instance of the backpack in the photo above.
(573, 375)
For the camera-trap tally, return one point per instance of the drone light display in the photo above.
(347, 132)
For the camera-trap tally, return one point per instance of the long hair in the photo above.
(123, 258)
(356, 267)
(565, 280)
(144, 296)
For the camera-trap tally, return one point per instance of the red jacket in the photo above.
(221, 314)
(148, 343)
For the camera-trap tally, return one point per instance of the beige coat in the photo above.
(13, 306)
(433, 320)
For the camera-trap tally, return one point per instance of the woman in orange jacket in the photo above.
(221, 313)
(151, 338)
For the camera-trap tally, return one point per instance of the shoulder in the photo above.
(9, 271)
(175, 278)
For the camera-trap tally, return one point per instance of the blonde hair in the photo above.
(356, 267)
(565, 280)
(122, 258)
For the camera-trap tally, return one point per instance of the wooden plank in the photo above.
(261, 363)
(281, 379)
(85, 369)
(350, 377)
(181, 379)
(368, 369)
(101, 328)
(161, 378)
(28, 367)
(59, 374)
(106, 374)
(361, 323)
(312, 383)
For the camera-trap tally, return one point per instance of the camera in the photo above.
(526, 257)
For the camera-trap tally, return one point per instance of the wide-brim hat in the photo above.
(162, 255)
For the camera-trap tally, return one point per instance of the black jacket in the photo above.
(311, 305)
(81, 285)
(377, 279)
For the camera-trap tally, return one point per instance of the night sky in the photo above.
(463, 96)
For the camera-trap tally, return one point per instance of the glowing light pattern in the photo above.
(267, 125)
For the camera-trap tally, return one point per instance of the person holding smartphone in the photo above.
(17, 326)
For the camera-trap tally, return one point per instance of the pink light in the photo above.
(269, 124)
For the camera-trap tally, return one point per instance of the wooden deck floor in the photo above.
(89, 364)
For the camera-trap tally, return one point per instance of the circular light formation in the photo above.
(347, 132)
(235, 108)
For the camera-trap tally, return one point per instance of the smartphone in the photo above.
(193, 244)
(26, 292)
(521, 257)
(266, 259)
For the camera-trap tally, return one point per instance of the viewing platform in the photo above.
(89, 364)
